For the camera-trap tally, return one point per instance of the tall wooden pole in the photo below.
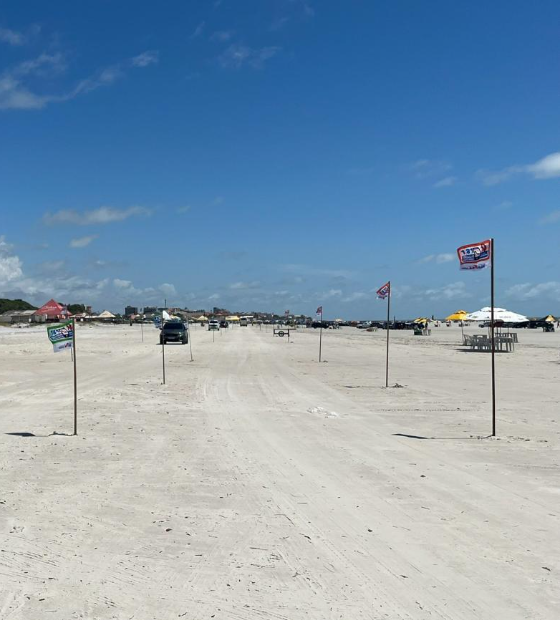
(321, 334)
(75, 378)
(492, 260)
(387, 357)
(162, 348)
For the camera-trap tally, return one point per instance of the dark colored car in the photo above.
(174, 331)
(224, 324)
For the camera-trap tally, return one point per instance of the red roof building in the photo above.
(53, 310)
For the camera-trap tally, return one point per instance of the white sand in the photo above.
(259, 484)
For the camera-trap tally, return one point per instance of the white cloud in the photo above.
(427, 168)
(11, 37)
(102, 215)
(236, 56)
(145, 59)
(213, 297)
(551, 218)
(221, 35)
(528, 291)
(446, 182)
(16, 94)
(82, 242)
(184, 209)
(355, 297)
(437, 258)
(167, 289)
(10, 265)
(198, 30)
(455, 290)
(245, 285)
(546, 168)
(333, 292)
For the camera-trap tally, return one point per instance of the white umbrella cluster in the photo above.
(500, 314)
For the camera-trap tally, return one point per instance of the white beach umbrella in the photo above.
(500, 314)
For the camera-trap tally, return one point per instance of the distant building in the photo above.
(129, 310)
(150, 310)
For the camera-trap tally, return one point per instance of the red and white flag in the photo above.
(384, 291)
(319, 310)
(475, 255)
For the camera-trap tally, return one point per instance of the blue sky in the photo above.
(279, 154)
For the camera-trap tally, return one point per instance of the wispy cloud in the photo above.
(11, 37)
(429, 168)
(546, 168)
(16, 93)
(528, 291)
(439, 259)
(551, 218)
(357, 296)
(237, 56)
(221, 36)
(455, 290)
(145, 59)
(82, 242)
(198, 30)
(184, 209)
(236, 286)
(102, 215)
(445, 182)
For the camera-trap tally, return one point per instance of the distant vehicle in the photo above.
(174, 331)
(317, 324)
(243, 322)
(213, 325)
(224, 324)
(363, 325)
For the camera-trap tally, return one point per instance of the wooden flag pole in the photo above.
(321, 334)
(387, 357)
(492, 258)
(163, 348)
(75, 377)
(189, 337)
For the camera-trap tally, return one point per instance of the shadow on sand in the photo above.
(443, 438)
(53, 434)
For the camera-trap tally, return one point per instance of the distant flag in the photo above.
(166, 316)
(319, 310)
(61, 336)
(384, 291)
(475, 255)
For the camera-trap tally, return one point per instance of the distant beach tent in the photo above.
(421, 319)
(500, 314)
(550, 319)
(53, 310)
(232, 319)
(460, 315)
(106, 315)
(201, 319)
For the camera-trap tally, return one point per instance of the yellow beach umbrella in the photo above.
(457, 316)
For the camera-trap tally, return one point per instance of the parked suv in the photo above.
(213, 325)
(174, 331)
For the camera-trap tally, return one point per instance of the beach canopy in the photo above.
(421, 319)
(106, 315)
(500, 314)
(457, 316)
(53, 310)
(232, 318)
(550, 319)
(201, 319)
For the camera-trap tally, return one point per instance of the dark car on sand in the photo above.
(174, 331)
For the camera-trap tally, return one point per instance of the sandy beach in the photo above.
(260, 484)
